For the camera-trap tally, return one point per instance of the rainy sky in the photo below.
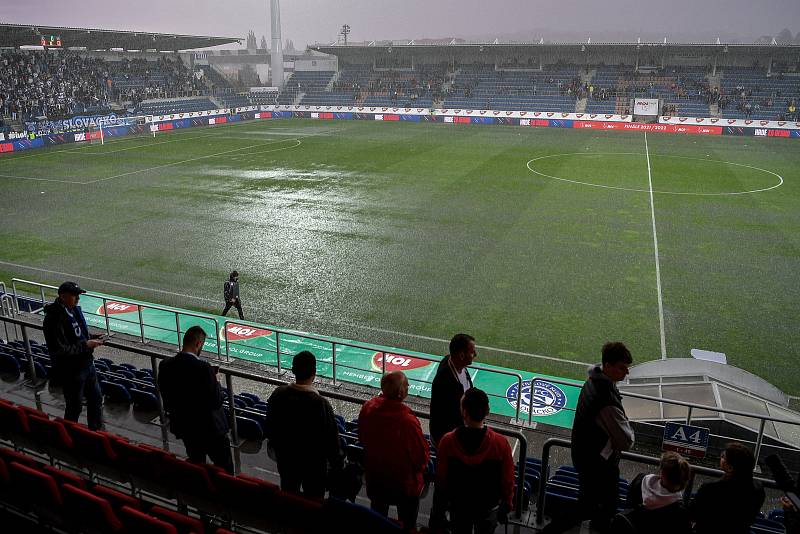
(312, 21)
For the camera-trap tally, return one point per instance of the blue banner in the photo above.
(410, 118)
(560, 123)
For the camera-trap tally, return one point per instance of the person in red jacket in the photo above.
(475, 470)
(395, 451)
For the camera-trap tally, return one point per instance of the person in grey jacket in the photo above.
(231, 291)
(600, 432)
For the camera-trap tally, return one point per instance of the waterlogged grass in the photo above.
(404, 234)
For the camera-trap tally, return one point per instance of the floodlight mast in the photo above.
(345, 32)
(277, 47)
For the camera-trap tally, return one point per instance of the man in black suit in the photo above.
(193, 400)
(452, 379)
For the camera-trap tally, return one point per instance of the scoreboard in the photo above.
(50, 41)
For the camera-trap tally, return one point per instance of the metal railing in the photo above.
(691, 407)
(229, 374)
(140, 307)
(334, 343)
(630, 456)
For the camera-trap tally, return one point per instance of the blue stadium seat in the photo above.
(249, 429)
(9, 365)
(114, 392)
(143, 400)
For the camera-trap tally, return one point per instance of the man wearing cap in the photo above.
(302, 431)
(71, 347)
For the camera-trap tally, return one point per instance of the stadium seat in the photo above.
(184, 524)
(187, 477)
(13, 421)
(143, 400)
(91, 444)
(117, 499)
(64, 477)
(51, 436)
(9, 365)
(243, 491)
(137, 522)
(90, 511)
(249, 429)
(8, 456)
(5, 480)
(114, 392)
(36, 491)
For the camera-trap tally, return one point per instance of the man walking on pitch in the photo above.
(231, 292)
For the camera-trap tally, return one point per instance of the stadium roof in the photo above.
(17, 35)
(333, 48)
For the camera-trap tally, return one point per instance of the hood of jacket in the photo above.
(655, 496)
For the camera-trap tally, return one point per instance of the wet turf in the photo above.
(370, 231)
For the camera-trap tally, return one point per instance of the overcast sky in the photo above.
(310, 21)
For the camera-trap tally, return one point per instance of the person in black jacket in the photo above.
(193, 400)
(732, 503)
(655, 502)
(600, 431)
(71, 352)
(302, 432)
(449, 384)
(231, 293)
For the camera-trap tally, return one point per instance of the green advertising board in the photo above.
(355, 362)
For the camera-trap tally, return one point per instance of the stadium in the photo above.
(377, 198)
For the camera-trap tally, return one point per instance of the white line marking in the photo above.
(778, 176)
(655, 248)
(260, 309)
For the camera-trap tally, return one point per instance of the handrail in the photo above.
(139, 305)
(691, 407)
(230, 373)
(632, 456)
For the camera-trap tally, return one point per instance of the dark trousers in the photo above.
(312, 479)
(407, 509)
(472, 521)
(218, 448)
(237, 304)
(76, 385)
(598, 496)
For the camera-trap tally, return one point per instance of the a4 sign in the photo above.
(685, 439)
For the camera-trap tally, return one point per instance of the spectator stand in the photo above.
(553, 489)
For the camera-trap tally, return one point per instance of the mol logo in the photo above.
(238, 332)
(547, 398)
(114, 308)
(396, 362)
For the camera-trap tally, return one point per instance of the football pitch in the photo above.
(541, 243)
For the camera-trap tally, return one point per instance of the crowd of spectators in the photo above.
(135, 80)
(61, 84)
(34, 84)
(474, 475)
(397, 85)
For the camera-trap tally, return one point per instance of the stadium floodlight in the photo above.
(276, 59)
(345, 31)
